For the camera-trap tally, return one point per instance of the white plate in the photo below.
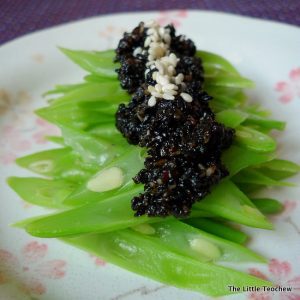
(31, 268)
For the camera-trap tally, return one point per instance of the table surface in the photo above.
(18, 17)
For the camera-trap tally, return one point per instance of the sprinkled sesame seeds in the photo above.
(158, 43)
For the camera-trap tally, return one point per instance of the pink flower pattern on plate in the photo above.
(98, 261)
(44, 128)
(174, 17)
(31, 270)
(280, 272)
(17, 139)
(289, 89)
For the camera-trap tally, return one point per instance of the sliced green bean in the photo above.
(237, 158)
(217, 61)
(256, 177)
(200, 245)
(142, 255)
(130, 164)
(218, 229)
(111, 214)
(267, 205)
(42, 192)
(231, 118)
(254, 140)
(228, 202)
(100, 63)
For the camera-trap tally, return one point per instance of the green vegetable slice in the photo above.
(200, 245)
(99, 63)
(267, 205)
(218, 229)
(228, 202)
(139, 254)
(42, 192)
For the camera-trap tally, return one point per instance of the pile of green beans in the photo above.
(184, 253)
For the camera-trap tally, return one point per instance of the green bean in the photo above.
(42, 192)
(108, 215)
(180, 237)
(91, 150)
(218, 229)
(248, 188)
(219, 62)
(228, 202)
(228, 81)
(267, 205)
(254, 140)
(103, 91)
(64, 88)
(231, 118)
(139, 254)
(282, 165)
(237, 158)
(100, 63)
(256, 177)
(59, 163)
(264, 123)
(130, 164)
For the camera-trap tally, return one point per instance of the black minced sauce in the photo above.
(183, 140)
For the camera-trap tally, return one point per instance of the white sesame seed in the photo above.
(152, 101)
(162, 79)
(167, 38)
(151, 88)
(179, 78)
(186, 97)
(154, 74)
(155, 36)
(169, 86)
(158, 64)
(161, 31)
(172, 55)
(151, 51)
(165, 59)
(156, 94)
(171, 92)
(210, 171)
(168, 96)
(151, 58)
(137, 51)
(150, 31)
(171, 70)
(160, 51)
(158, 87)
(183, 85)
(147, 41)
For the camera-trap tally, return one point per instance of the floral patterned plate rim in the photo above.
(32, 268)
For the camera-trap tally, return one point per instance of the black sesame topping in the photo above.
(183, 139)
